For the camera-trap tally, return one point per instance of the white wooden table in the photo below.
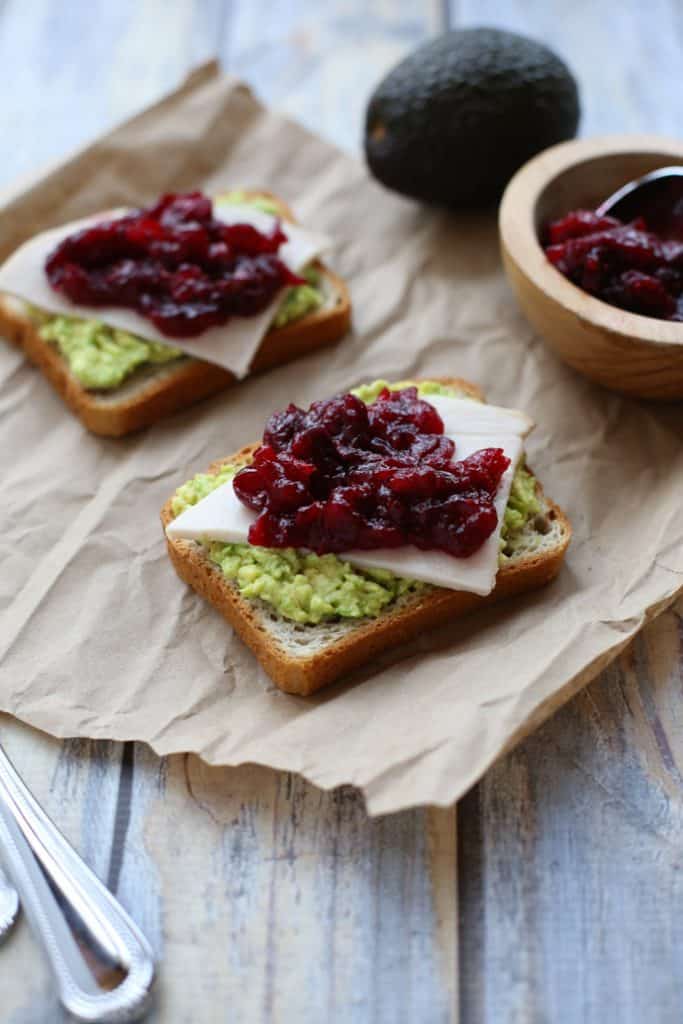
(268, 900)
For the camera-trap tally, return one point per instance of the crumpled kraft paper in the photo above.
(97, 635)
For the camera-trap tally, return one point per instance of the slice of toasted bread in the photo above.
(153, 392)
(301, 659)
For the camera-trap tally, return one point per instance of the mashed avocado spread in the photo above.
(102, 357)
(309, 588)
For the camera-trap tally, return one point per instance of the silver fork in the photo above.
(56, 888)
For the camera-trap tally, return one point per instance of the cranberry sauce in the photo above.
(347, 475)
(626, 265)
(174, 264)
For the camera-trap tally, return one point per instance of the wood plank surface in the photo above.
(266, 899)
(626, 56)
(571, 887)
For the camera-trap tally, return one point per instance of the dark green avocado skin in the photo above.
(453, 121)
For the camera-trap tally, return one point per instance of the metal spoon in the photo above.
(658, 196)
(67, 904)
(9, 906)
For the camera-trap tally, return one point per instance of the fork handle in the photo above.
(49, 875)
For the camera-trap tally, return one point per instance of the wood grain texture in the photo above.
(73, 70)
(319, 61)
(573, 842)
(267, 900)
(281, 902)
(625, 56)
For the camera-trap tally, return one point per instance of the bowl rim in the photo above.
(518, 235)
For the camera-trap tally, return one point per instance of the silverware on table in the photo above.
(102, 964)
(9, 906)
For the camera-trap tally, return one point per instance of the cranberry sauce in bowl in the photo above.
(616, 328)
(173, 263)
(627, 265)
(347, 475)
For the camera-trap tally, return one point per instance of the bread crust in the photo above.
(392, 628)
(173, 387)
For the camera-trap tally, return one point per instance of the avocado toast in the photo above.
(311, 619)
(117, 383)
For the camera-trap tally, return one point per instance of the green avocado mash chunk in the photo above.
(301, 299)
(199, 486)
(306, 588)
(103, 357)
(369, 392)
(239, 197)
(100, 356)
(309, 588)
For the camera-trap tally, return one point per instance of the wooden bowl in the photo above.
(636, 355)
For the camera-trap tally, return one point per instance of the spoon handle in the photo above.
(9, 906)
(55, 886)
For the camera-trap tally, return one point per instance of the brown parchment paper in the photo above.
(99, 638)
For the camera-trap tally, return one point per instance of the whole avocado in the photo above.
(454, 120)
